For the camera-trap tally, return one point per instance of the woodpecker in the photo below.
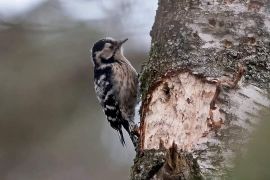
(116, 86)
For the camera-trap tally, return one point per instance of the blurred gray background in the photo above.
(51, 125)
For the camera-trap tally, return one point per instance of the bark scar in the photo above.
(215, 125)
(236, 78)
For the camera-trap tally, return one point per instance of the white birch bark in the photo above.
(203, 87)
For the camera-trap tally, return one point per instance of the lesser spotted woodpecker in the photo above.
(116, 84)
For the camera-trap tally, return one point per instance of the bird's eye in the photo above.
(111, 46)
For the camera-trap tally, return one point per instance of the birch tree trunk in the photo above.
(203, 87)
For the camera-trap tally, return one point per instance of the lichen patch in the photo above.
(267, 24)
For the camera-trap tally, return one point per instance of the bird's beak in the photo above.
(120, 43)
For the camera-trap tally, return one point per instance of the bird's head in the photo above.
(107, 50)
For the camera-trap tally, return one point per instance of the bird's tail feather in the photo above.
(118, 127)
(121, 137)
(129, 129)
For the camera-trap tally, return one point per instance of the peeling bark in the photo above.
(203, 87)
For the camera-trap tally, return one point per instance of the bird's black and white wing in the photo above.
(106, 96)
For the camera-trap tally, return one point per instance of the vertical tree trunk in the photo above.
(203, 87)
